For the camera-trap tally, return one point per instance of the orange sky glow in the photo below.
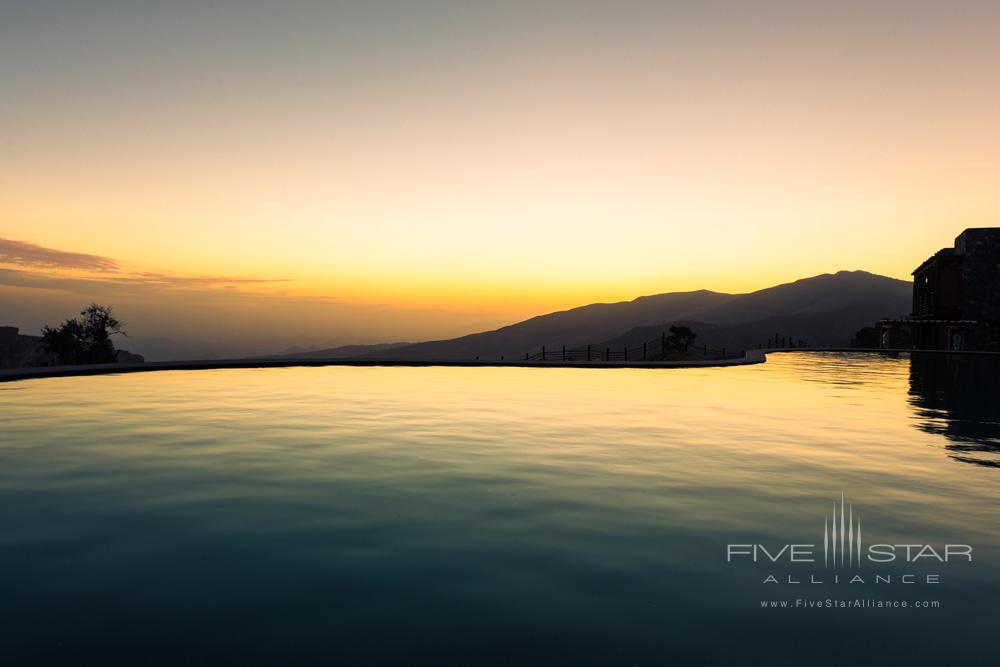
(404, 171)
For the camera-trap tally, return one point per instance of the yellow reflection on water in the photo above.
(816, 413)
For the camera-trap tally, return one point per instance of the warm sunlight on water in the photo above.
(491, 515)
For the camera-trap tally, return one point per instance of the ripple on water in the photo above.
(308, 514)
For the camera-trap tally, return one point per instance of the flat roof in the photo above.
(943, 252)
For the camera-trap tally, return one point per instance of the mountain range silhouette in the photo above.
(822, 310)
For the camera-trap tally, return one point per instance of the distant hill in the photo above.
(168, 349)
(157, 348)
(343, 352)
(823, 310)
(826, 293)
(828, 328)
(577, 326)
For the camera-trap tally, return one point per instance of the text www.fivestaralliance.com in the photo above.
(852, 603)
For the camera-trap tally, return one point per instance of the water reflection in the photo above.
(460, 516)
(958, 397)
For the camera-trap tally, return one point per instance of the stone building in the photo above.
(16, 349)
(956, 298)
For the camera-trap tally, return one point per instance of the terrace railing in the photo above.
(646, 351)
(650, 350)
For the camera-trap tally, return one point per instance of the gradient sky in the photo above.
(375, 171)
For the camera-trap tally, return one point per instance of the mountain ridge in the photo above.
(825, 302)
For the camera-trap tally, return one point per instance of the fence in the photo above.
(648, 350)
(654, 349)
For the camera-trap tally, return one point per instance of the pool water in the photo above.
(478, 516)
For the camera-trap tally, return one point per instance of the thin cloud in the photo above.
(169, 279)
(115, 288)
(22, 253)
(35, 264)
(122, 283)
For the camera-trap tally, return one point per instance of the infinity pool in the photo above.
(468, 516)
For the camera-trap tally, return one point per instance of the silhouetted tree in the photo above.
(65, 344)
(85, 339)
(681, 337)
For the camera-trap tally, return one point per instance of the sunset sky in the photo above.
(377, 171)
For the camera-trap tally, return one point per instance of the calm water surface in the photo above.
(493, 516)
